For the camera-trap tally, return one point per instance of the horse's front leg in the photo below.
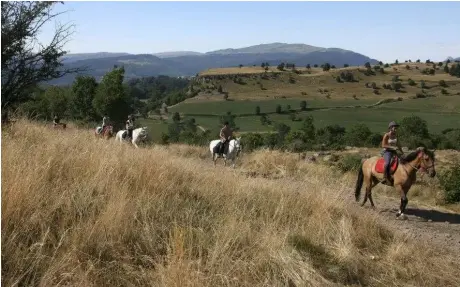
(404, 201)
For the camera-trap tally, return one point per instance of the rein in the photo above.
(423, 168)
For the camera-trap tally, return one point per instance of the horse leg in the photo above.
(374, 183)
(368, 183)
(404, 201)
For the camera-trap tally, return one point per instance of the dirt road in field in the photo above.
(423, 223)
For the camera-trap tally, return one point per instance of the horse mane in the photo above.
(413, 155)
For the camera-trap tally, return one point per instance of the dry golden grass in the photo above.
(84, 212)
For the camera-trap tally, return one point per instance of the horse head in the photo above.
(237, 144)
(427, 161)
(143, 132)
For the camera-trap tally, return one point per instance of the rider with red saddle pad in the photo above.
(390, 160)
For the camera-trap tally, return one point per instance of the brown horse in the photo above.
(403, 172)
(106, 133)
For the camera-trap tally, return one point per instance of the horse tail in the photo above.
(359, 182)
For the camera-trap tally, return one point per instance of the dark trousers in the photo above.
(130, 133)
(387, 156)
(223, 146)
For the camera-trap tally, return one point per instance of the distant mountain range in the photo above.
(453, 59)
(188, 63)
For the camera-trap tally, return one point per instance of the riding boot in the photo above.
(387, 175)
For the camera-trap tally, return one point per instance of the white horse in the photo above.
(234, 148)
(139, 135)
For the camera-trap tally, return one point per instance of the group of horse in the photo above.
(140, 135)
(403, 170)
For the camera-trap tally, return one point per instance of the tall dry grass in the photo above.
(84, 212)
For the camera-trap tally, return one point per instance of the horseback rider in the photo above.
(130, 126)
(56, 120)
(390, 146)
(225, 135)
(105, 121)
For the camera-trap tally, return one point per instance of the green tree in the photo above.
(257, 110)
(308, 129)
(303, 105)
(358, 135)
(282, 131)
(446, 68)
(346, 65)
(281, 66)
(26, 61)
(326, 67)
(110, 99)
(220, 90)
(252, 141)
(83, 93)
(367, 65)
(176, 117)
(414, 132)
(278, 109)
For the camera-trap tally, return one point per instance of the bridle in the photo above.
(422, 166)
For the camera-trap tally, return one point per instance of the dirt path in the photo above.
(424, 223)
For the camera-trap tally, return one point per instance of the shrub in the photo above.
(442, 83)
(349, 162)
(444, 92)
(278, 109)
(303, 105)
(252, 141)
(412, 82)
(450, 183)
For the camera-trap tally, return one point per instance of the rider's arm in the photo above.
(221, 134)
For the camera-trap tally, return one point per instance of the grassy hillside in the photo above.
(85, 212)
(367, 100)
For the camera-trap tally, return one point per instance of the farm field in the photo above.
(440, 112)
(434, 98)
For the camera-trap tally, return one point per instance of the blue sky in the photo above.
(382, 30)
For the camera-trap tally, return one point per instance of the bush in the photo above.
(357, 135)
(412, 82)
(450, 183)
(252, 141)
(349, 162)
(303, 105)
(442, 83)
(278, 109)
